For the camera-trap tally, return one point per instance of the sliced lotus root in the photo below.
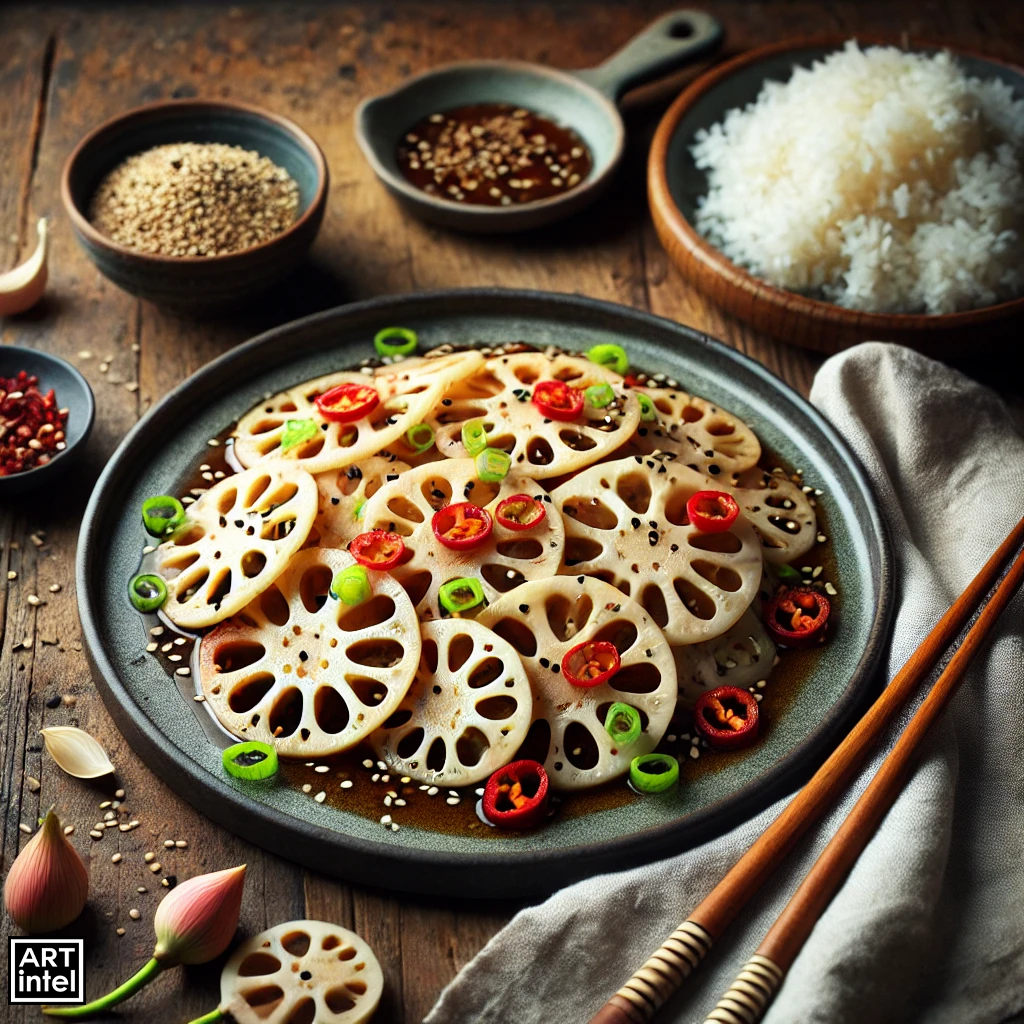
(780, 512)
(302, 972)
(626, 523)
(465, 714)
(742, 656)
(343, 491)
(408, 392)
(701, 435)
(306, 672)
(500, 394)
(545, 619)
(236, 540)
(502, 562)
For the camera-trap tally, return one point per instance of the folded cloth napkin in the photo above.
(930, 924)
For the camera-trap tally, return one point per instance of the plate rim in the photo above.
(445, 873)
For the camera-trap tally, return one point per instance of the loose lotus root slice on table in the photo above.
(742, 656)
(343, 494)
(406, 398)
(306, 672)
(302, 971)
(505, 560)
(780, 512)
(465, 714)
(500, 395)
(625, 522)
(701, 435)
(545, 619)
(235, 541)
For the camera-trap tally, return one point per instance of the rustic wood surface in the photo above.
(64, 70)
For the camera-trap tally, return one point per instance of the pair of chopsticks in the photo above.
(757, 983)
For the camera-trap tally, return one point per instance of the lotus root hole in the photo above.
(376, 653)
(635, 490)
(274, 606)
(725, 543)
(259, 963)
(497, 708)
(410, 743)
(518, 634)
(566, 618)
(296, 943)
(437, 755)
(253, 563)
(485, 673)
(264, 1000)
(581, 748)
(538, 452)
(375, 612)
(644, 677)
(330, 710)
(429, 654)
(338, 1000)
(330, 942)
(502, 578)
(471, 746)
(537, 743)
(303, 1013)
(591, 512)
(256, 489)
(697, 602)
(286, 714)
(237, 654)
(720, 576)
(249, 692)
(581, 549)
(524, 549)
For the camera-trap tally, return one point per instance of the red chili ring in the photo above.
(377, 549)
(558, 400)
(598, 656)
(347, 403)
(450, 525)
(797, 616)
(726, 729)
(525, 503)
(500, 798)
(712, 511)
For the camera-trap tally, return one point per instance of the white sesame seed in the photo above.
(385, 819)
(149, 858)
(95, 833)
(134, 914)
(181, 844)
(394, 827)
(120, 931)
(155, 866)
(116, 859)
(400, 802)
(382, 766)
(320, 797)
(432, 791)
(451, 801)
(150, 648)
(307, 788)
(822, 538)
(69, 830)
(168, 844)
(387, 801)
(695, 752)
(321, 768)
(406, 780)
(183, 671)
(119, 794)
(367, 763)
(347, 784)
(375, 777)
(829, 589)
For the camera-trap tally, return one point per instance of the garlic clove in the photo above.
(76, 752)
(22, 287)
(48, 884)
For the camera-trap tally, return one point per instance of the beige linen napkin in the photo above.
(930, 924)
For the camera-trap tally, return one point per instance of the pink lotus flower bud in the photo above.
(197, 920)
(47, 885)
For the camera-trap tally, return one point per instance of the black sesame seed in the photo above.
(335, 501)
(53, 702)
(545, 662)
(714, 470)
(391, 476)
(653, 537)
(580, 579)
(674, 548)
(524, 608)
(653, 524)
(446, 401)
(354, 473)
(635, 523)
(555, 668)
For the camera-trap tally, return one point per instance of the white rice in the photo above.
(880, 180)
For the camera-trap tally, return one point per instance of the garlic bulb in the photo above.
(76, 752)
(22, 287)
(47, 885)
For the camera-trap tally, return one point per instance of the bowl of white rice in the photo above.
(832, 191)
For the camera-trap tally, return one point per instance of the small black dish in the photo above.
(73, 393)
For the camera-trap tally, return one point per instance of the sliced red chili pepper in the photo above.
(462, 526)
(590, 663)
(558, 400)
(520, 512)
(727, 716)
(347, 402)
(712, 511)
(516, 796)
(377, 549)
(797, 616)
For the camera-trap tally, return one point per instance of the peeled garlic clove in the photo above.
(76, 752)
(22, 287)
(47, 885)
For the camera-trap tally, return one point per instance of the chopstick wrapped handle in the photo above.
(643, 995)
(748, 997)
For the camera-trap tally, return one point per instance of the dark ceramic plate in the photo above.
(158, 453)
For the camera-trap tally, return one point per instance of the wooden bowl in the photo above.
(675, 183)
(197, 284)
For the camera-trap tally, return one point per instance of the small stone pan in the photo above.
(586, 101)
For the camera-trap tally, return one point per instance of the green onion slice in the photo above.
(461, 595)
(474, 437)
(297, 431)
(612, 356)
(647, 410)
(787, 572)
(492, 465)
(162, 515)
(420, 438)
(252, 760)
(351, 586)
(599, 395)
(653, 773)
(405, 345)
(623, 723)
(147, 592)
(357, 512)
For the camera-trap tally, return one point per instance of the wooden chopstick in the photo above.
(643, 995)
(756, 985)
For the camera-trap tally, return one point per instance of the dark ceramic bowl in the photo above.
(197, 284)
(72, 392)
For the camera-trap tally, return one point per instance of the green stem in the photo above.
(208, 1018)
(129, 988)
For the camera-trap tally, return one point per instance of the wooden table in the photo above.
(64, 70)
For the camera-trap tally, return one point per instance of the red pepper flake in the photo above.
(31, 425)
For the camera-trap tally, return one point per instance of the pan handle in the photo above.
(665, 45)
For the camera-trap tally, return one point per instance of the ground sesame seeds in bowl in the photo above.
(196, 205)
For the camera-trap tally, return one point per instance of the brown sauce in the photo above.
(493, 154)
(371, 784)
